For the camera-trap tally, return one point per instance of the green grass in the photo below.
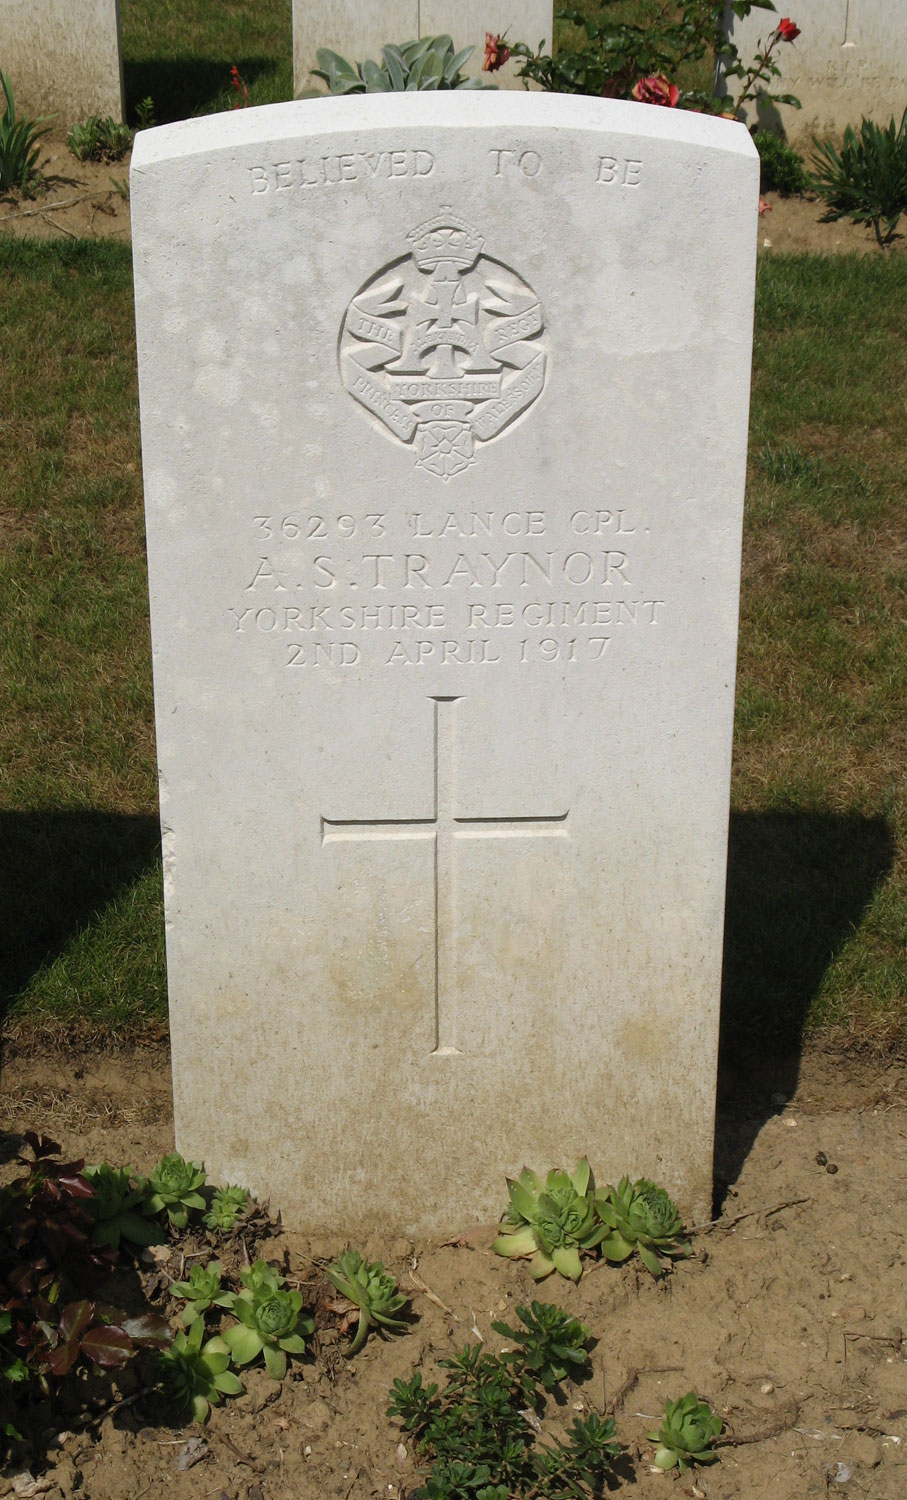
(817, 909)
(78, 785)
(179, 54)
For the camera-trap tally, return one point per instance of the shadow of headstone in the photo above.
(57, 870)
(183, 87)
(798, 885)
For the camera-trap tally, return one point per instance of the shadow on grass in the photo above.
(183, 87)
(57, 870)
(798, 885)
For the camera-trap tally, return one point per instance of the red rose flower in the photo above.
(787, 31)
(496, 53)
(655, 90)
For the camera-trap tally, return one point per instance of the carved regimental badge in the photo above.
(445, 346)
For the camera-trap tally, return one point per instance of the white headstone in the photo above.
(358, 29)
(444, 415)
(849, 60)
(62, 58)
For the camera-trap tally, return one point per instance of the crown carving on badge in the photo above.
(445, 239)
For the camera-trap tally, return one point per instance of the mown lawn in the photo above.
(817, 911)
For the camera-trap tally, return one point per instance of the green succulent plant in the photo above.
(202, 1290)
(174, 1185)
(550, 1346)
(227, 1207)
(196, 1375)
(430, 63)
(271, 1323)
(259, 1280)
(372, 1289)
(551, 1222)
(118, 1207)
(640, 1216)
(684, 1438)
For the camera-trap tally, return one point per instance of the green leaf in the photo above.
(228, 1383)
(540, 1265)
(581, 1176)
(393, 61)
(615, 1247)
(523, 1200)
(275, 1362)
(567, 1261)
(333, 62)
(140, 1230)
(456, 62)
(244, 1343)
(199, 1408)
(650, 1261)
(514, 1245)
(293, 1344)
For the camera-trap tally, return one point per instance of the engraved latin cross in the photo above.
(443, 829)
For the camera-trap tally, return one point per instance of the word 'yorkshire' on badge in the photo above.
(444, 346)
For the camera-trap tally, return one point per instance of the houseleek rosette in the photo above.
(640, 1216)
(196, 1375)
(227, 1207)
(551, 1222)
(372, 1289)
(684, 1438)
(259, 1280)
(174, 1185)
(202, 1290)
(118, 1207)
(272, 1324)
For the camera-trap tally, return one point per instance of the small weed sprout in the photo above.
(551, 1345)
(684, 1438)
(97, 139)
(373, 1290)
(144, 114)
(475, 1431)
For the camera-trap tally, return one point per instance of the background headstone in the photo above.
(63, 58)
(444, 415)
(850, 60)
(358, 29)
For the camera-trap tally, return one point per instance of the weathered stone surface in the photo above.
(849, 61)
(359, 28)
(63, 57)
(444, 414)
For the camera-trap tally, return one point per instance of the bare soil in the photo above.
(91, 199)
(788, 1319)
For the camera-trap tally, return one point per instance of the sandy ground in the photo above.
(788, 1319)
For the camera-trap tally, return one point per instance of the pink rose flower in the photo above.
(496, 53)
(655, 90)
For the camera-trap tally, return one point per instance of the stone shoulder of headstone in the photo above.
(444, 406)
